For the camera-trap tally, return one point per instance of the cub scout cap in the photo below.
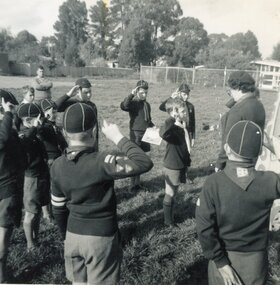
(184, 88)
(8, 97)
(142, 84)
(241, 80)
(245, 139)
(79, 118)
(29, 110)
(46, 104)
(83, 82)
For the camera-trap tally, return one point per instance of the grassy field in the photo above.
(152, 253)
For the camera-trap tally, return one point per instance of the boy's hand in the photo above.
(37, 122)
(73, 91)
(134, 91)
(175, 95)
(8, 106)
(112, 132)
(229, 275)
(192, 143)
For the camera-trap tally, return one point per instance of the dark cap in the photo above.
(245, 139)
(8, 97)
(142, 84)
(83, 82)
(79, 118)
(46, 104)
(241, 80)
(29, 110)
(184, 88)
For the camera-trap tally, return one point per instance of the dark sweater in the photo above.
(250, 109)
(12, 157)
(177, 155)
(190, 123)
(36, 153)
(136, 113)
(52, 138)
(233, 212)
(83, 187)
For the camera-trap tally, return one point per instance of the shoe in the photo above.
(189, 181)
(172, 226)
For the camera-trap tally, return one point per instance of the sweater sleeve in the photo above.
(133, 162)
(162, 106)
(165, 131)
(206, 225)
(126, 103)
(58, 201)
(60, 101)
(6, 129)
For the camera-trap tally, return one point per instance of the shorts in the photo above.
(136, 137)
(175, 177)
(36, 193)
(10, 212)
(93, 259)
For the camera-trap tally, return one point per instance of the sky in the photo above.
(262, 17)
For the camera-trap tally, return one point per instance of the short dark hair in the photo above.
(27, 88)
(241, 80)
(41, 67)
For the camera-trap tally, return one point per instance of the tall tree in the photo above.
(71, 26)
(276, 52)
(190, 39)
(100, 27)
(6, 39)
(137, 46)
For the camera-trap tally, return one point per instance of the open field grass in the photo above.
(152, 253)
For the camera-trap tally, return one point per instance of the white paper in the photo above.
(152, 136)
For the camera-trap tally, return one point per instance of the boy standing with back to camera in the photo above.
(233, 210)
(83, 197)
(140, 119)
(177, 156)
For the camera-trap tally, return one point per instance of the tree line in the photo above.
(132, 32)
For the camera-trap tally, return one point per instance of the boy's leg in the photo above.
(168, 203)
(5, 235)
(28, 227)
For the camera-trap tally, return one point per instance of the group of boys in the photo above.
(233, 209)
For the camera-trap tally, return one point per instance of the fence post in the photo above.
(225, 77)
(193, 76)
(178, 70)
(166, 74)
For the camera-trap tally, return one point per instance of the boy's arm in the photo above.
(42, 85)
(126, 104)
(206, 225)
(6, 129)
(58, 201)
(165, 130)
(134, 162)
(61, 100)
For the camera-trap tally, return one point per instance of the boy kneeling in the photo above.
(83, 198)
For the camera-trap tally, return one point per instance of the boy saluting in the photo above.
(83, 198)
(232, 213)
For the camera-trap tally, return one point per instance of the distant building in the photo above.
(4, 63)
(269, 73)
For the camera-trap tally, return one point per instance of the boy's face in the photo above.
(29, 96)
(142, 94)
(84, 94)
(182, 113)
(185, 96)
(29, 122)
(40, 72)
(50, 114)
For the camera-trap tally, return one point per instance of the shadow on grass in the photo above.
(152, 215)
